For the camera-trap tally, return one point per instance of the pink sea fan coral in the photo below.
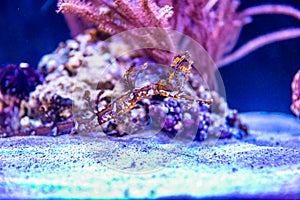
(215, 24)
(120, 15)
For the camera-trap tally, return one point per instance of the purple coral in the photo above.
(13, 81)
(173, 116)
(18, 81)
(295, 107)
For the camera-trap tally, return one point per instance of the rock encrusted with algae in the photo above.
(295, 107)
(16, 81)
(79, 68)
(76, 70)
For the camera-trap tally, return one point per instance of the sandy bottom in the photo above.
(265, 164)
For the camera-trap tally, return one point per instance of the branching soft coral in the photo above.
(119, 15)
(215, 24)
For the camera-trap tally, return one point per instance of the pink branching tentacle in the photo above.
(271, 9)
(259, 42)
(264, 39)
(210, 4)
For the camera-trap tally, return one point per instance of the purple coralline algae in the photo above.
(295, 107)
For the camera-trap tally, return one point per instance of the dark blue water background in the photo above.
(259, 81)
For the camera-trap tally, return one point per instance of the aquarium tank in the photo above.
(151, 99)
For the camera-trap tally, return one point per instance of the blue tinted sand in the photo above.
(264, 164)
